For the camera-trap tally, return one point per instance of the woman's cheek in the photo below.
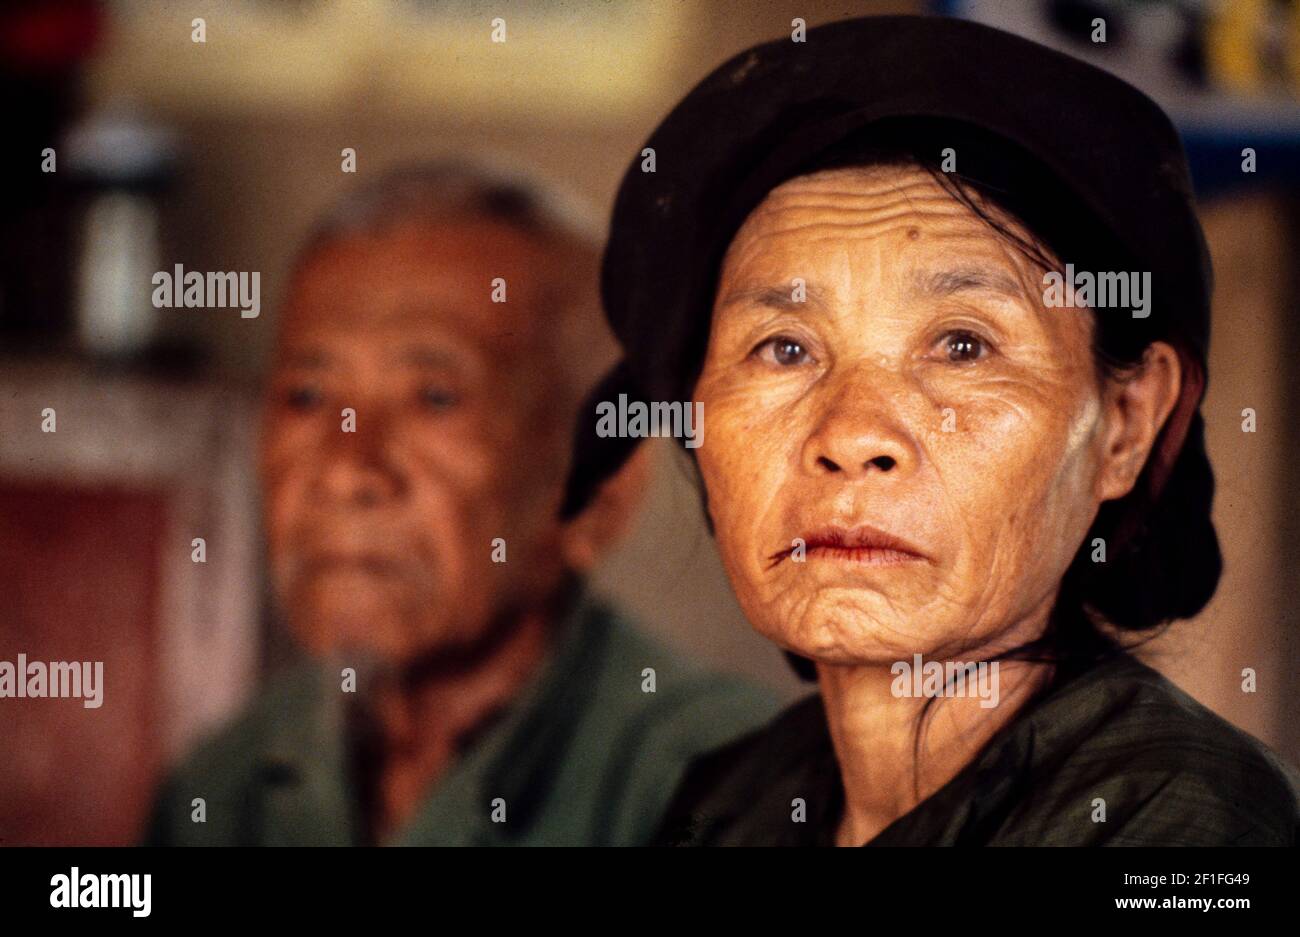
(1012, 465)
(740, 462)
(1002, 426)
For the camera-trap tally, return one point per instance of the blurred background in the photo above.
(218, 155)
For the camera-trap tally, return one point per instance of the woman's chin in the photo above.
(867, 633)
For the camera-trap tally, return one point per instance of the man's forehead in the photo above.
(323, 350)
(446, 254)
(434, 334)
(410, 280)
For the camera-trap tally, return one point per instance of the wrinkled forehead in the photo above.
(478, 279)
(878, 200)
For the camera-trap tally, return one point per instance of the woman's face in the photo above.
(881, 358)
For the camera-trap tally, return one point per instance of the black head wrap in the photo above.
(1083, 159)
(1093, 141)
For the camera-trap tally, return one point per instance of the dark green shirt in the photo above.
(1166, 769)
(583, 756)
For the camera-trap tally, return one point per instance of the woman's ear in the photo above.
(586, 538)
(1137, 404)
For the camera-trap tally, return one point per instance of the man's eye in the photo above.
(303, 397)
(963, 346)
(782, 351)
(436, 398)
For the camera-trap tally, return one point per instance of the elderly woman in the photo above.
(952, 468)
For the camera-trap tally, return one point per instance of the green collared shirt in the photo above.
(1116, 755)
(584, 756)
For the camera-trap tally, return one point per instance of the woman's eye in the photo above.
(436, 398)
(782, 351)
(962, 346)
(303, 397)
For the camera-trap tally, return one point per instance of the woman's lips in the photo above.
(861, 544)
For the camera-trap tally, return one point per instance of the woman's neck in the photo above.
(874, 728)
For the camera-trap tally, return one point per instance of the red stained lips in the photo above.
(860, 544)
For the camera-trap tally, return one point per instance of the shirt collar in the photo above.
(304, 759)
(517, 758)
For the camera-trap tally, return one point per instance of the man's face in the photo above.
(922, 389)
(383, 539)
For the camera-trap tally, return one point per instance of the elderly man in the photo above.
(458, 685)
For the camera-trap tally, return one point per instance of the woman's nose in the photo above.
(860, 432)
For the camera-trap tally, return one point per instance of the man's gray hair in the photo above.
(459, 187)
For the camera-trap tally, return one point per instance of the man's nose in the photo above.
(359, 466)
(860, 428)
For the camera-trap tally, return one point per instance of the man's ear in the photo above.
(588, 537)
(1137, 406)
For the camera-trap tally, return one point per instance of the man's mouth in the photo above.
(375, 564)
(861, 544)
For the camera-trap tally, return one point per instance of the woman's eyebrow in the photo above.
(780, 298)
(956, 280)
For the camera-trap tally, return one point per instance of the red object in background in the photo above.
(82, 584)
(49, 35)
